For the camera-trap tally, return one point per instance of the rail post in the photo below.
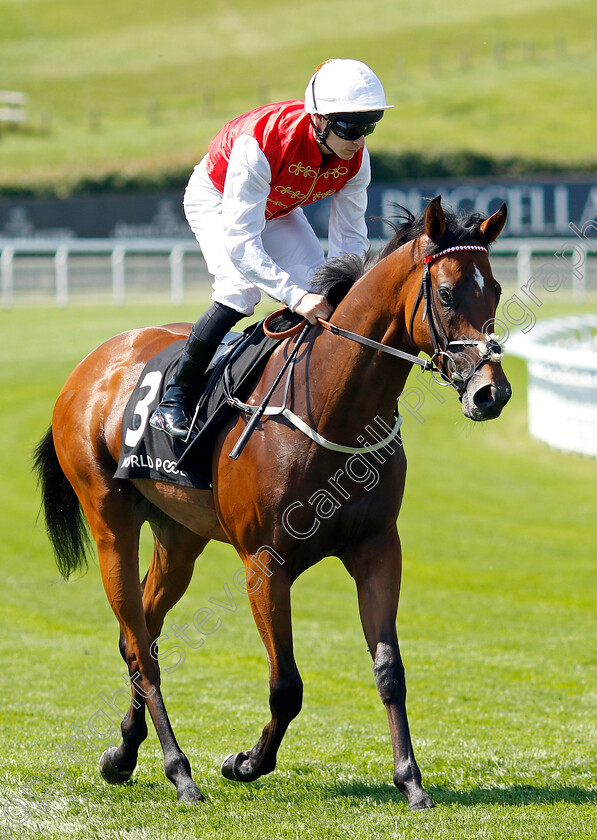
(118, 276)
(61, 275)
(7, 270)
(177, 275)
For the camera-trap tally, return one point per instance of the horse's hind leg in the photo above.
(376, 567)
(117, 764)
(170, 572)
(271, 609)
(115, 520)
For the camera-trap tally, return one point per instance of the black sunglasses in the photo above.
(351, 131)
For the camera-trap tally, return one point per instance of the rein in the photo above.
(352, 336)
(489, 350)
(425, 364)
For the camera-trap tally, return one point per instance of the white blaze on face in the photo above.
(478, 277)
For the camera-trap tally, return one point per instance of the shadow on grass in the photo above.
(515, 795)
(510, 795)
(386, 793)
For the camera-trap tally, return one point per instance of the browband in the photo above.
(431, 257)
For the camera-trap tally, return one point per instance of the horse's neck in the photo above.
(348, 383)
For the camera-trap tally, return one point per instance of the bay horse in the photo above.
(338, 388)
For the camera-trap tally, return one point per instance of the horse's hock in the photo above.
(562, 381)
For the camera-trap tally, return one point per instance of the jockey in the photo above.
(244, 205)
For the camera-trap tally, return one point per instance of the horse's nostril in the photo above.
(485, 396)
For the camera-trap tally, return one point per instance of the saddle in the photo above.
(234, 371)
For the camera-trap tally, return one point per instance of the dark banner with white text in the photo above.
(535, 208)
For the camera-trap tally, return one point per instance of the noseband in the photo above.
(489, 349)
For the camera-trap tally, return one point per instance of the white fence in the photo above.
(30, 266)
(59, 268)
(562, 386)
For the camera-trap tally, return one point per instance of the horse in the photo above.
(431, 290)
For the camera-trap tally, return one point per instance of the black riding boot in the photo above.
(175, 412)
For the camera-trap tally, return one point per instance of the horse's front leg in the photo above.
(376, 567)
(270, 604)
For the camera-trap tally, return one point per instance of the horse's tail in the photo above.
(65, 522)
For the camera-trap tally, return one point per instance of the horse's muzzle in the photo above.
(486, 400)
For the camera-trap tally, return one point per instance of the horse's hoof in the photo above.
(227, 768)
(190, 793)
(237, 768)
(421, 803)
(109, 771)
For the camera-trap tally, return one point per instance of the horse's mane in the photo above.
(338, 276)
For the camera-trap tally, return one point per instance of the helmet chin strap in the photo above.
(322, 136)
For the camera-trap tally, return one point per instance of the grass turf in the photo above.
(138, 89)
(497, 622)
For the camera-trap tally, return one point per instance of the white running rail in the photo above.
(562, 381)
(571, 257)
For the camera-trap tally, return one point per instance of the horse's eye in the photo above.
(445, 295)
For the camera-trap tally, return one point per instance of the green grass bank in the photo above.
(133, 93)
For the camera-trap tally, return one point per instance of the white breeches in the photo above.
(290, 241)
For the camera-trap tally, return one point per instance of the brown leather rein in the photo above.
(360, 339)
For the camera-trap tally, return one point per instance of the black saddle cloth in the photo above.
(151, 453)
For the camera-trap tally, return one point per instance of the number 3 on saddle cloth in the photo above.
(151, 453)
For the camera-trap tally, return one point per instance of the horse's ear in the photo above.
(494, 225)
(435, 220)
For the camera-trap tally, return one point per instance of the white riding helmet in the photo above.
(344, 86)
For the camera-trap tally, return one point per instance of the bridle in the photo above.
(489, 348)
(489, 351)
